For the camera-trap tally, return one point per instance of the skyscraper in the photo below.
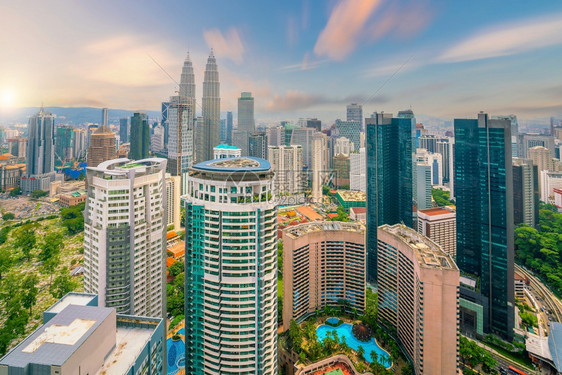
(231, 268)
(125, 235)
(423, 188)
(525, 192)
(187, 82)
(357, 170)
(211, 110)
(246, 122)
(223, 130)
(64, 138)
(484, 196)
(229, 128)
(104, 117)
(124, 130)
(418, 298)
(351, 130)
(276, 136)
(79, 146)
(40, 153)
(390, 144)
(355, 113)
(140, 136)
(314, 123)
(180, 135)
(287, 163)
(257, 145)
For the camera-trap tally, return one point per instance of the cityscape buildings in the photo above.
(226, 151)
(287, 162)
(124, 130)
(180, 135)
(79, 147)
(276, 136)
(78, 337)
(231, 268)
(530, 140)
(140, 136)
(125, 223)
(525, 192)
(229, 128)
(440, 225)
(423, 186)
(102, 147)
(484, 196)
(40, 153)
(257, 145)
(355, 113)
(357, 171)
(323, 265)
(351, 130)
(209, 133)
(418, 298)
(390, 153)
(64, 138)
(173, 191)
(104, 117)
(246, 122)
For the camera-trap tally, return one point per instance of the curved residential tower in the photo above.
(231, 268)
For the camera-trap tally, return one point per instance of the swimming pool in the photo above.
(344, 330)
(176, 355)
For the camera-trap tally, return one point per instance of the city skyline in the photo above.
(440, 68)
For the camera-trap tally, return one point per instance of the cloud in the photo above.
(294, 100)
(403, 21)
(509, 39)
(227, 46)
(343, 30)
(306, 64)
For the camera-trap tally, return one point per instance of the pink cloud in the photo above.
(229, 45)
(343, 30)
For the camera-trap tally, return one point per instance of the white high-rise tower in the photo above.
(209, 136)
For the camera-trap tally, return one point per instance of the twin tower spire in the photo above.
(207, 130)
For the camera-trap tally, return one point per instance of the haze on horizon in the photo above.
(298, 58)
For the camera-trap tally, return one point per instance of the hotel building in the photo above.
(440, 225)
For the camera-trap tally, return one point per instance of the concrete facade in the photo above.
(440, 225)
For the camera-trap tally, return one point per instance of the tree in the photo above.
(36, 194)
(15, 192)
(24, 239)
(8, 216)
(295, 336)
(29, 291)
(5, 261)
(176, 268)
(50, 265)
(361, 352)
(441, 197)
(62, 285)
(407, 370)
(51, 246)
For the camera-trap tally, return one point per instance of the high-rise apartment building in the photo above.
(180, 135)
(525, 192)
(484, 197)
(303, 137)
(355, 113)
(157, 139)
(423, 186)
(79, 147)
(140, 136)
(445, 148)
(124, 130)
(418, 298)
(542, 158)
(287, 163)
(318, 164)
(40, 153)
(351, 130)
(530, 140)
(102, 147)
(323, 264)
(440, 225)
(210, 131)
(125, 235)
(257, 145)
(173, 191)
(357, 170)
(276, 136)
(231, 268)
(390, 177)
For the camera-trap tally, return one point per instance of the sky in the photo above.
(308, 58)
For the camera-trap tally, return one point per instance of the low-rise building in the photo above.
(352, 198)
(323, 265)
(78, 337)
(358, 213)
(73, 199)
(520, 284)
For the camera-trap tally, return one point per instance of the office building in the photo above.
(173, 191)
(418, 298)
(342, 145)
(140, 136)
(341, 169)
(102, 147)
(79, 146)
(11, 171)
(276, 136)
(440, 225)
(514, 132)
(314, 123)
(428, 142)
(289, 128)
(423, 186)
(390, 177)
(209, 133)
(542, 158)
(323, 265)
(530, 140)
(229, 128)
(231, 268)
(157, 139)
(223, 130)
(104, 117)
(434, 161)
(187, 84)
(287, 163)
(548, 182)
(303, 137)
(124, 130)
(180, 135)
(16, 147)
(40, 153)
(258, 145)
(164, 121)
(525, 192)
(318, 165)
(78, 337)
(125, 235)
(226, 151)
(64, 138)
(357, 171)
(355, 113)
(351, 130)
(484, 197)
(246, 122)
(445, 148)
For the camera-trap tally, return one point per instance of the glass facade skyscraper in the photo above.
(390, 149)
(484, 196)
(140, 136)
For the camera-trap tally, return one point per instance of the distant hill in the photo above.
(72, 115)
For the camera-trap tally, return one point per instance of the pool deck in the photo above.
(174, 332)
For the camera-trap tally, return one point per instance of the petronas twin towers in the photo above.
(207, 129)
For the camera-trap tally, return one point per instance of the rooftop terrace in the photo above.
(317, 226)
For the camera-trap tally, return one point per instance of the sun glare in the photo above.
(7, 98)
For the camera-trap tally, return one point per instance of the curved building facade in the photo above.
(323, 265)
(231, 268)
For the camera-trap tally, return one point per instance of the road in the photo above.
(545, 296)
(503, 361)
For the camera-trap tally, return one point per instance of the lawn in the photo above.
(279, 288)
